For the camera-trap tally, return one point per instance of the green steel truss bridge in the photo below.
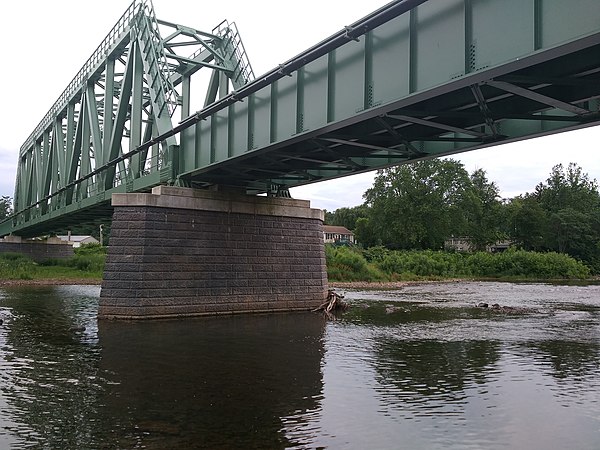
(413, 80)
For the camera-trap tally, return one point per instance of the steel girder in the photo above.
(128, 92)
(392, 88)
(445, 78)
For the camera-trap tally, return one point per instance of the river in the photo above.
(415, 368)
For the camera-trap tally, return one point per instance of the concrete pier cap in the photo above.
(180, 252)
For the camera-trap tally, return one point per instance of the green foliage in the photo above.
(90, 249)
(424, 263)
(482, 211)
(88, 262)
(88, 259)
(524, 264)
(346, 217)
(5, 207)
(562, 215)
(14, 266)
(376, 254)
(365, 233)
(348, 264)
(381, 264)
(420, 205)
(527, 223)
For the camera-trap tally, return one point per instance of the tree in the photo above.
(562, 215)
(527, 223)
(365, 234)
(568, 188)
(5, 207)
(572, 204)
(346, 217)
(482, 210)
(418, 205)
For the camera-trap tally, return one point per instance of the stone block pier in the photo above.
(182, 252)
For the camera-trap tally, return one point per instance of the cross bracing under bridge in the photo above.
(413, 80)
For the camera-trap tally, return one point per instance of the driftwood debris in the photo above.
(334, 302)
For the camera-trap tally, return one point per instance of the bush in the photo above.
(423, 263)
(87, 258)
(348, 264)
(379, 264)
(524, 264)
(376, 254)
(90, 249)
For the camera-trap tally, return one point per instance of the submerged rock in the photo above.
(505, 309)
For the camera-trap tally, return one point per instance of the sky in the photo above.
(43, 44)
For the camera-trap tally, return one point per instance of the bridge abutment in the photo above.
(38, 250)
(184, 252)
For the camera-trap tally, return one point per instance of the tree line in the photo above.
(419, 206)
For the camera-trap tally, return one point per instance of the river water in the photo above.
(415, 368)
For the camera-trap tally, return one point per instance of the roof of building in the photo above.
(76, 238)
(336, 229)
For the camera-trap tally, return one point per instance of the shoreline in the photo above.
(332, 284)
(370, 285)
(379, 285)
(51, 282)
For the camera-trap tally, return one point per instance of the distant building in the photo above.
(337, 235)
(499, 246)
(458, 244)
(78, 241)
(463, 244)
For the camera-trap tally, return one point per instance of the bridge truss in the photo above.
(415, 79)
(129, 91)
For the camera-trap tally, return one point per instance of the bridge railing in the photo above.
(90, 65)
(229, 32)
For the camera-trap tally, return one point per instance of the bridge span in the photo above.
(415, 79)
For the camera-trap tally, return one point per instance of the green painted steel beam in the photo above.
(469, 66)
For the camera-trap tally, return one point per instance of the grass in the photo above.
(87, 263)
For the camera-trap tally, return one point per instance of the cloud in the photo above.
(8, 172)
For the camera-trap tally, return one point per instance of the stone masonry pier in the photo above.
(183, 252)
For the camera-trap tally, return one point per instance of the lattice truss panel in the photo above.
(133, 88)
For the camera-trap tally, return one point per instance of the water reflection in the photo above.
(210, 382)
(244, 382)
(50, 376)
(432, 374)
(567, 360)
(421, 367)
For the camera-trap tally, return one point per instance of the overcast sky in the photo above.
(44, 44)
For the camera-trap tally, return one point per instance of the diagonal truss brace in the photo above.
(536, 96)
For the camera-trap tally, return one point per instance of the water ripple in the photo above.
(419, 367)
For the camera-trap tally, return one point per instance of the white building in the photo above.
(337, 235)
(78, 241)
